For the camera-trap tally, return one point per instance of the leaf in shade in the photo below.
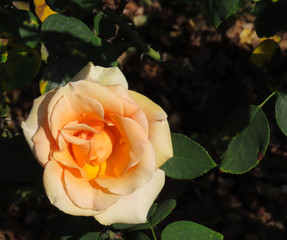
(249, 141)
(22, 26)
(190, 160)
(70, 37)
(281, 111)
(186, 230)
(21, 67)
(270, 17)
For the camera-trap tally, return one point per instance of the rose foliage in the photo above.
(101, 146)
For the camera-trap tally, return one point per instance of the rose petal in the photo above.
(133, 208)
(85, 196)
(134, 178)
(132, 136)
(159, 132)
(74, 107)
(91, 90)
(131, 108)
(53, 183)
(104, 76)
(36, 130)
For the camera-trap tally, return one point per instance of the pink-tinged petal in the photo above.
(54, 186)
(82, 194)
(159, 132)
(133, 208)
(134, 178)
(104, 76)
(36, 129)
(74, 107)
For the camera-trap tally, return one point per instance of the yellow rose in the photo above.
(101, 146)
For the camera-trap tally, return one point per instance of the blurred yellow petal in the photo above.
(42, 9)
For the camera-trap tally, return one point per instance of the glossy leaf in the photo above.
(69, 37)
(249, 130)
(281, 112)
(78, 8)
(186, 230)
(217, 11)
(270, 17)
(190, 160)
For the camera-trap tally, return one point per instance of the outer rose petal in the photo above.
(159, 132)
(104, 76)
(133, 208)
(94, 90)
(37, 123)
(85, 196)
(54, 187)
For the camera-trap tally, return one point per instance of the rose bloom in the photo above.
(101, 146)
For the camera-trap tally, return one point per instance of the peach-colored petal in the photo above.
(85, 196)
(134, 178)
(74, 107)
(63, 156)
(133, 208)
(36, 129)
(104, 76)
(92, 90)
(159, 132)
(159, 135)
(131, 108)
(134, 137)
(53, 183)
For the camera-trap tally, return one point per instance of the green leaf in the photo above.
(251, 129)
(138, 236)
(21, 67)
(156, 216)
(59, 72)
(91, 236)
(270, 17)
(78, 8)
(186, 230)
(104, 26)
(217, 11)
(281, 112)
(69, 37)
(22, 26)
(190, 160)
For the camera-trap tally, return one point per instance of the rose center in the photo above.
(95, 149)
